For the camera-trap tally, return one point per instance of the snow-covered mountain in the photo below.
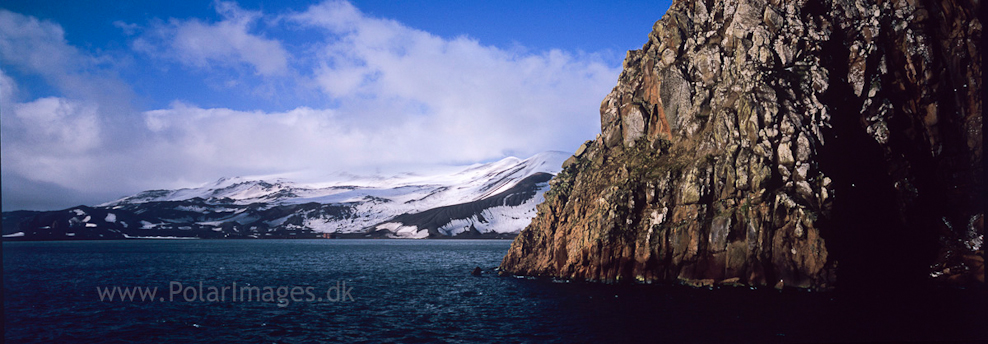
(492, 199)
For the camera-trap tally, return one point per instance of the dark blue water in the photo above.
(422, 291)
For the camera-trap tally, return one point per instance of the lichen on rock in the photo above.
(716, 159)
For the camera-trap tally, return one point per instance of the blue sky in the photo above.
(104, 99)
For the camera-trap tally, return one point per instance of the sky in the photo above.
(104, 99)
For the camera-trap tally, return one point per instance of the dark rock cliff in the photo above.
(779, 143)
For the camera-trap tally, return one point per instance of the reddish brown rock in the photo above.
(754, 143)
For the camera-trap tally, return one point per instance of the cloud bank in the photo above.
(374, 94)
(223, 44)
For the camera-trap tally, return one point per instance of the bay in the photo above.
(421, 291)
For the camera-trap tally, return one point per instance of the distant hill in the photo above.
(496, 199)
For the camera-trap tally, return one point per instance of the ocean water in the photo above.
(420, 291)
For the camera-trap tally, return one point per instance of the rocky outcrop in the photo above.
(778, 143)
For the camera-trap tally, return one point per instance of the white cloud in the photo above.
(482, 100)
(56, 126)
(8, 89)
(215, 138)
(127, 28)
(53, 126)
(303, 139)
(227, 43)
(36, 45)
(397, 97)
(55, 142)
(49, 139)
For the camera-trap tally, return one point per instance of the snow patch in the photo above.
(399, 230)
(111, 217)
(156, 237)
(279, 221)
(193, 208)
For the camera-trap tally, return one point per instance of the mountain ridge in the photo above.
(494, 199)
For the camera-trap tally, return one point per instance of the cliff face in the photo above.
(778, 142)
